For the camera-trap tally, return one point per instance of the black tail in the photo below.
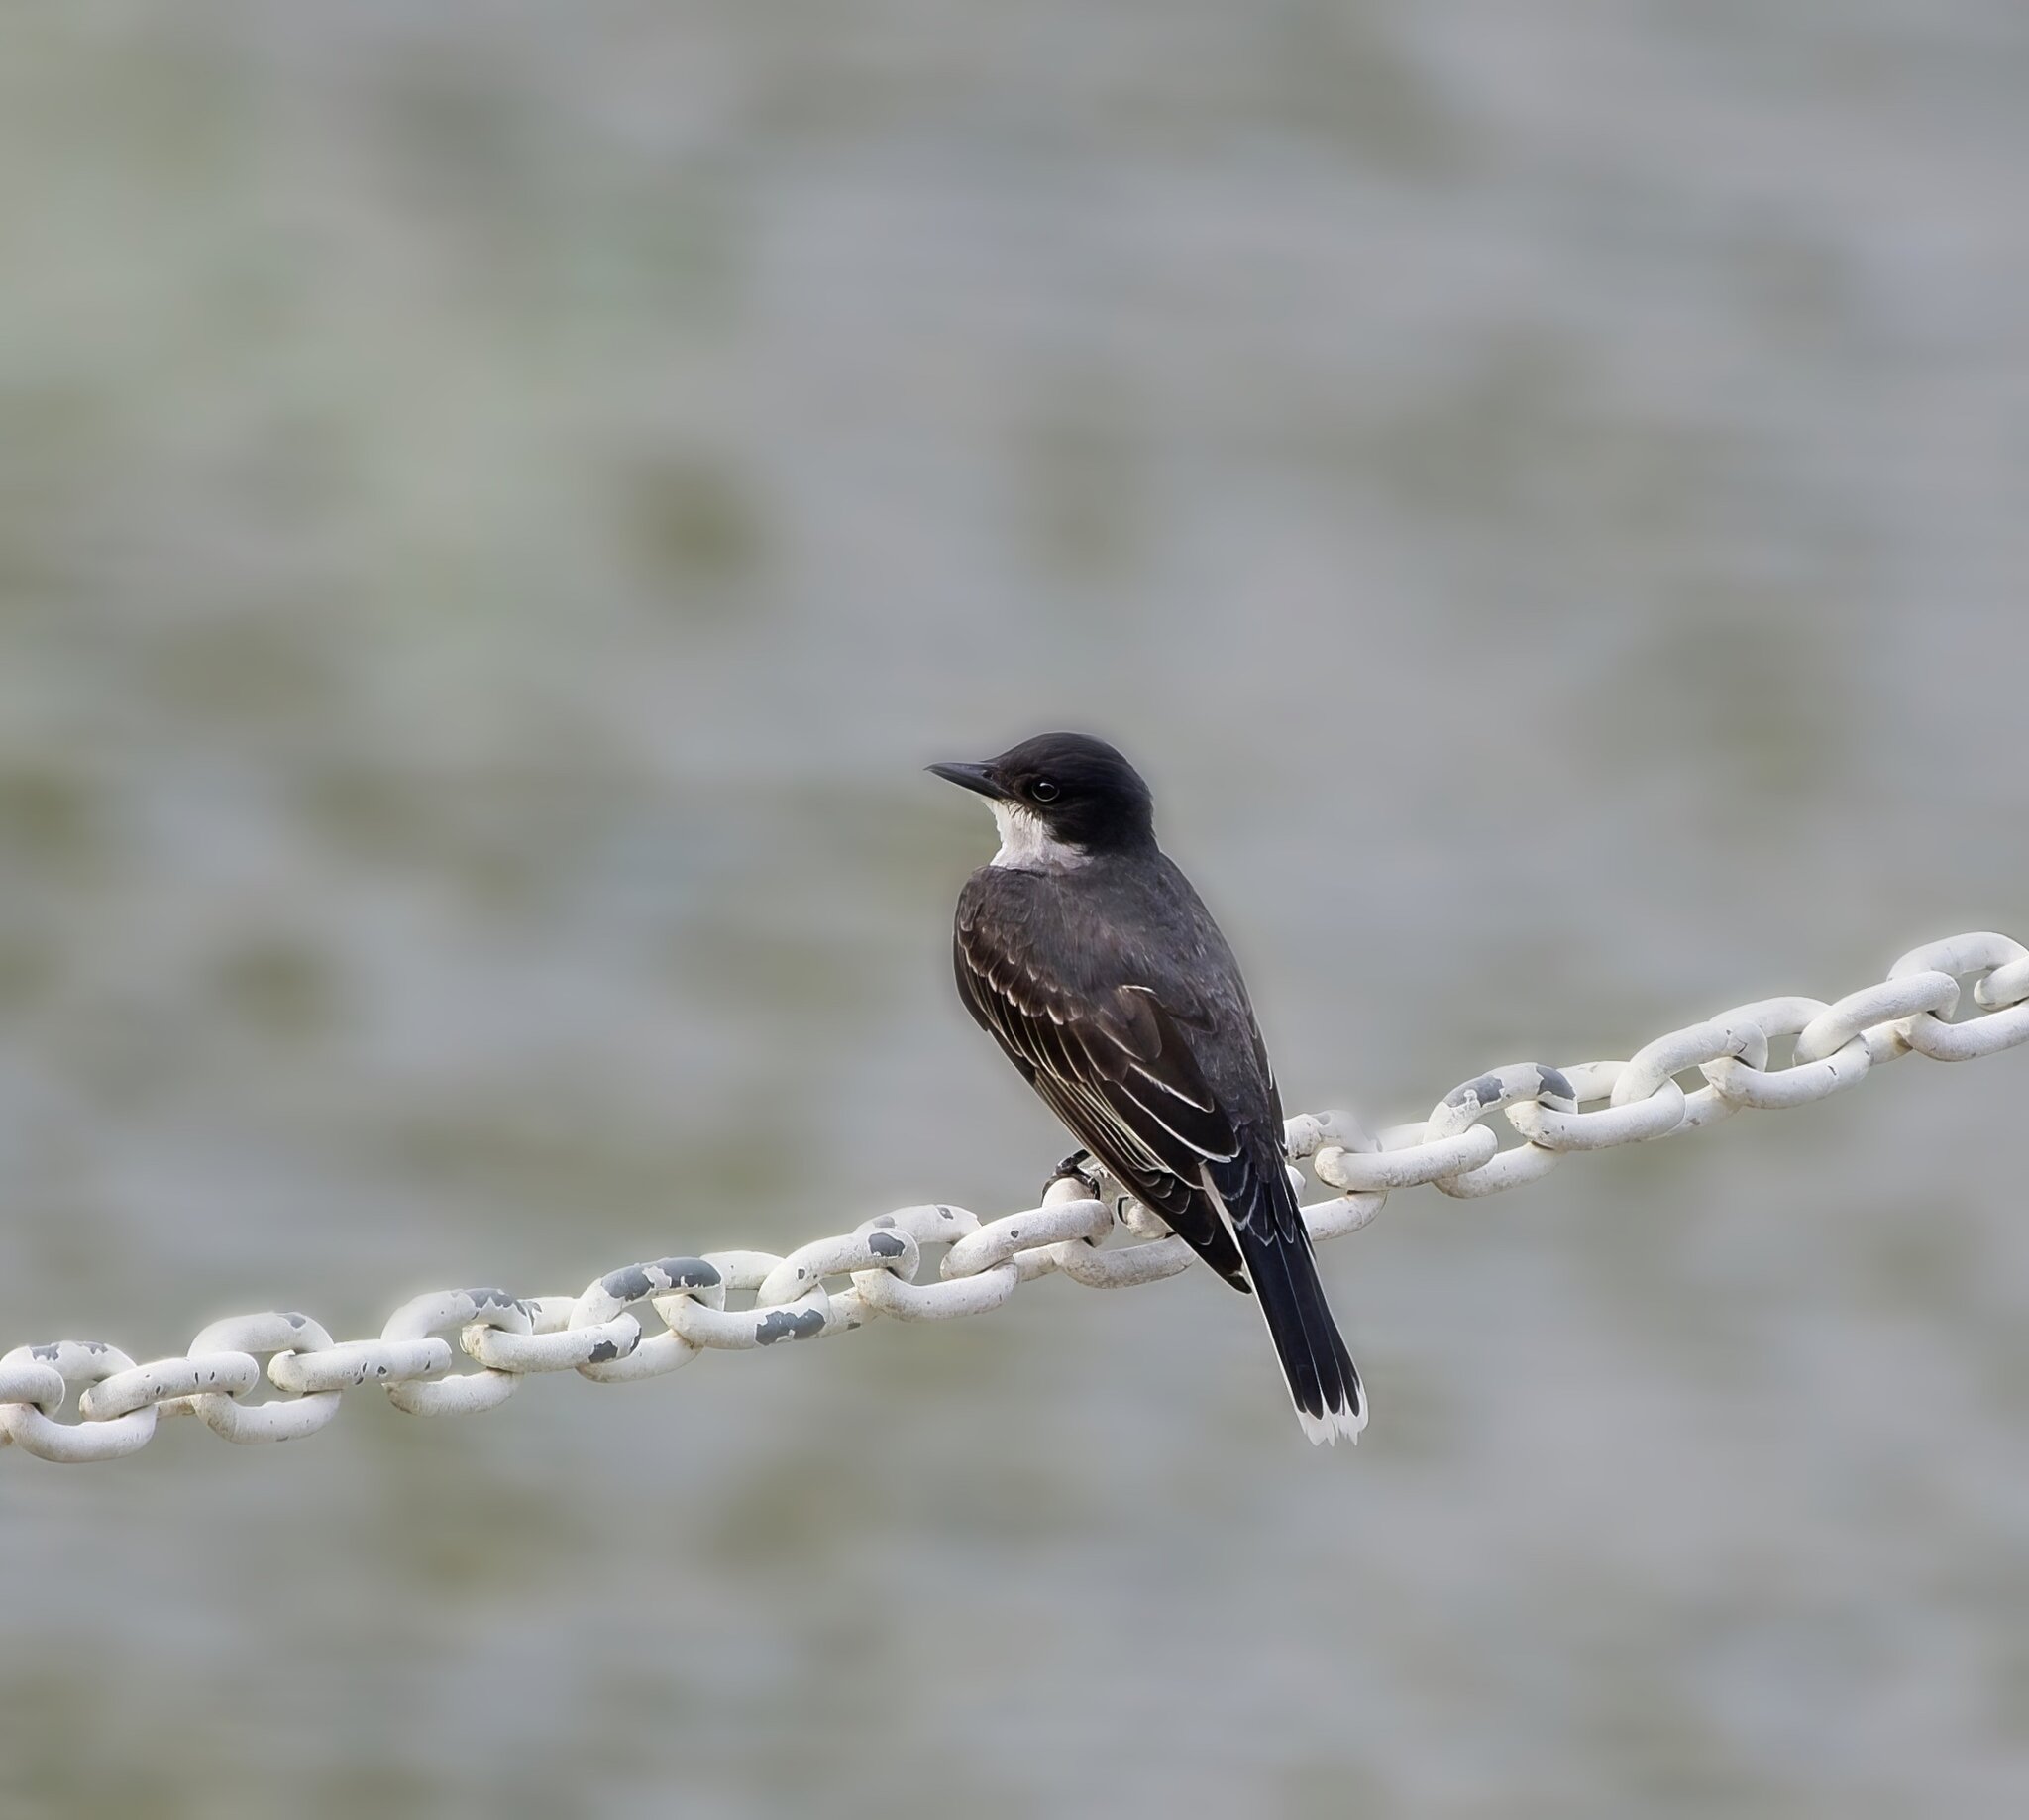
(1321, 1380)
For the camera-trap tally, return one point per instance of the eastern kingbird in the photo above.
(1084, 951)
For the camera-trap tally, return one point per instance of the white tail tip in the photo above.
(1326, 1430)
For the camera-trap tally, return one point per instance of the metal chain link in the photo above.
(603, 1333)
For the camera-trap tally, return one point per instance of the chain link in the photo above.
(602, 1334)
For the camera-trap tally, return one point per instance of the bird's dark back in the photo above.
(1115, 921)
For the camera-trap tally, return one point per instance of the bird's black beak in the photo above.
(970, 776)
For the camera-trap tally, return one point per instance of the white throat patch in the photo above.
(1026, 843)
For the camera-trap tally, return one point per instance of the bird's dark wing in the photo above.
(1114, 1063)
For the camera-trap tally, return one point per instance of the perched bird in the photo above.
(1084, 951)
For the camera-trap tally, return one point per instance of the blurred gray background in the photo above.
(497, 503)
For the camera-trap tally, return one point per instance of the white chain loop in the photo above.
(555, 1344)
(599, 1334)
(1873, 1012)
(609, 1301)
(742, 1329)
(1497, 1090)
(1030, 1240)
(404, 1367)
(2001, 1028)
(1754, 1083)
(149, 1386)
(2004, 986)
(26, 1378)
(75, 1361)
(281, 1337)
(1622, 1121)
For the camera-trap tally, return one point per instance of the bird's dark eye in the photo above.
(1043, 790)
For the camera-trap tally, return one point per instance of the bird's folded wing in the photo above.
(1114, 1064)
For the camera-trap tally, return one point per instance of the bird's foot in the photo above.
(1077, 1167)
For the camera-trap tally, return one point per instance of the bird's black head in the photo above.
(1071, 792)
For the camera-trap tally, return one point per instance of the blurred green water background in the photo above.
(496, 505)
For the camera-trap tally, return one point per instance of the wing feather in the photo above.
(1116, 1066)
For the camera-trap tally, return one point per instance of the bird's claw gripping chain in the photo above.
(1079, 1166)
(644, 1320)
(1085, 1170)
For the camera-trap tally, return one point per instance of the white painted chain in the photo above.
(602, 1334)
